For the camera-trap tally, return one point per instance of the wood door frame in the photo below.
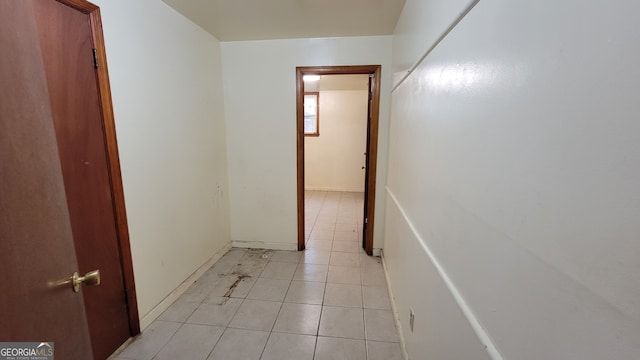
(372, 133)
(113, 159)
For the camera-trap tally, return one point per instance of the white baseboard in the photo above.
(181, 289)
(264, 245)
(394, 308)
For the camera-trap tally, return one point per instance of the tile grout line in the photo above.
(278, 314)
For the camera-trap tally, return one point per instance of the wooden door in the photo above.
(36, 243)
(69, 63)
(365, 215)
(76, 96)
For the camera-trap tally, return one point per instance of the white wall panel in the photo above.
(441, 330)
(513, 150)
(421, 24)
(166, 82)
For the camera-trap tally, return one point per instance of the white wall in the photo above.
(340, 82)
(513, 184)
(260, 108)
(166, 84)
(420, 25)
(334, 160)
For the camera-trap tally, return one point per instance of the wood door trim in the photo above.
(372, 151)
(111, 144)
(300, 154)
(373, 161)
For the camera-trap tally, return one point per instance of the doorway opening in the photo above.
(371, 147)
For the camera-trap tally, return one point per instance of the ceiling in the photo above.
(235, 20)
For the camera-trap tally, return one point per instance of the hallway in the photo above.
(328, 302)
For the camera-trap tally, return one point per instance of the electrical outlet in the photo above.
(412, 318)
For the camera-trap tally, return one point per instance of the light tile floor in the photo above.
(328, 302)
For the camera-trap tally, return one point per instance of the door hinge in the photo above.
(366, 220)
(95, 58)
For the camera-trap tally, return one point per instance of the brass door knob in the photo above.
(92, 278)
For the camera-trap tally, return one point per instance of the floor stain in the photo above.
(235, 283)
(258, 253)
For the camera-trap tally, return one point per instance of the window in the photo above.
(311, 116)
